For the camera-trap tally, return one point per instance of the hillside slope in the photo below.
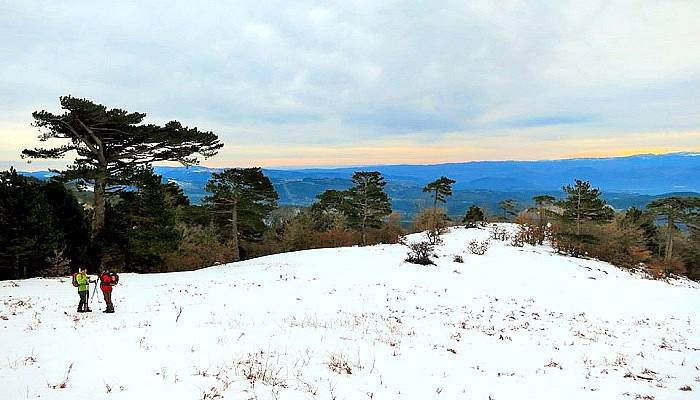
(359, 323)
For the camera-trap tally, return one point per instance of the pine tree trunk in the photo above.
(98, 219)
(17, 274)
(234, 230)
(365, 210)
(434, 222)
(364, 223)
(669, 239)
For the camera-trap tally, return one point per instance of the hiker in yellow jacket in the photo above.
(83, 281)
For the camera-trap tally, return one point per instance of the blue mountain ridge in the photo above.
(625, 181)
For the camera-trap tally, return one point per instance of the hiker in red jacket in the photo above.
(107, 281)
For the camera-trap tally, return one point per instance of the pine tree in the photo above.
(474, 217)
(583, 204)
(644, 221)
(509, 207)
(439, 190)
(368, 203)
(675, 210)
(543, 207)
(114, 145)
(27, 233)
(691, 257)
(244, 198)
(330, 211)
(142, 227)
(69, 217)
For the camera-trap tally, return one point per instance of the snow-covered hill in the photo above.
(359, 323)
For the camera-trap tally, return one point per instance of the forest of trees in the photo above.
(132, 221)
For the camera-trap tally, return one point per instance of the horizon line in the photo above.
(343, 166)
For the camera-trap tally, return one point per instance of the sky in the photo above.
(366, 82)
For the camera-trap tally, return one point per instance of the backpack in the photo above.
(110, 279)
(74, 280)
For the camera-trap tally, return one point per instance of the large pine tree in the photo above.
(330, 211)
(38, 221)
(368, 203)
(676, 210)
(243, 198)
(583, 204)
(112, 145)
(142, 225)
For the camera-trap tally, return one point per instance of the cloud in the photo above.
(303, 74)
(550, 120)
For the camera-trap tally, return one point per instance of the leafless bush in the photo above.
(518, 239)
(458, 259)
(479, 248)
(28, 360)
(339, 364)
(434, 222)
(212, 393)
(261, 367)
(498, 233)
(420, 253)
(59, 265)
(530, 234)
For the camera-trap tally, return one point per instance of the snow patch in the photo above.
(360, 323)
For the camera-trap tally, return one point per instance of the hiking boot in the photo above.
(81, 310)
(109, 311)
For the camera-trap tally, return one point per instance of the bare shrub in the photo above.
(530, 234)
(212, 393)
(518, 239)
(420, 253)
(458, 259)
(332, 238)
(624, 245)
(433, 221)
(339, 364)
(200, 247)
(663, 269)
(553, 364)
(389, 232)
(499, 233)
(570, 244)
(261, 367)
(479, 248)
(58, 264)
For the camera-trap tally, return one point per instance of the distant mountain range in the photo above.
(625, 181)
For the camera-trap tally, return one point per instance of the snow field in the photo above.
(360, 323)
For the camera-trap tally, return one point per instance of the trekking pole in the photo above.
(94, 293)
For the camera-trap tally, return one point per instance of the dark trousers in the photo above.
(108, 300)
(83, 304)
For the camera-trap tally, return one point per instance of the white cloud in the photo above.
(296, 72)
